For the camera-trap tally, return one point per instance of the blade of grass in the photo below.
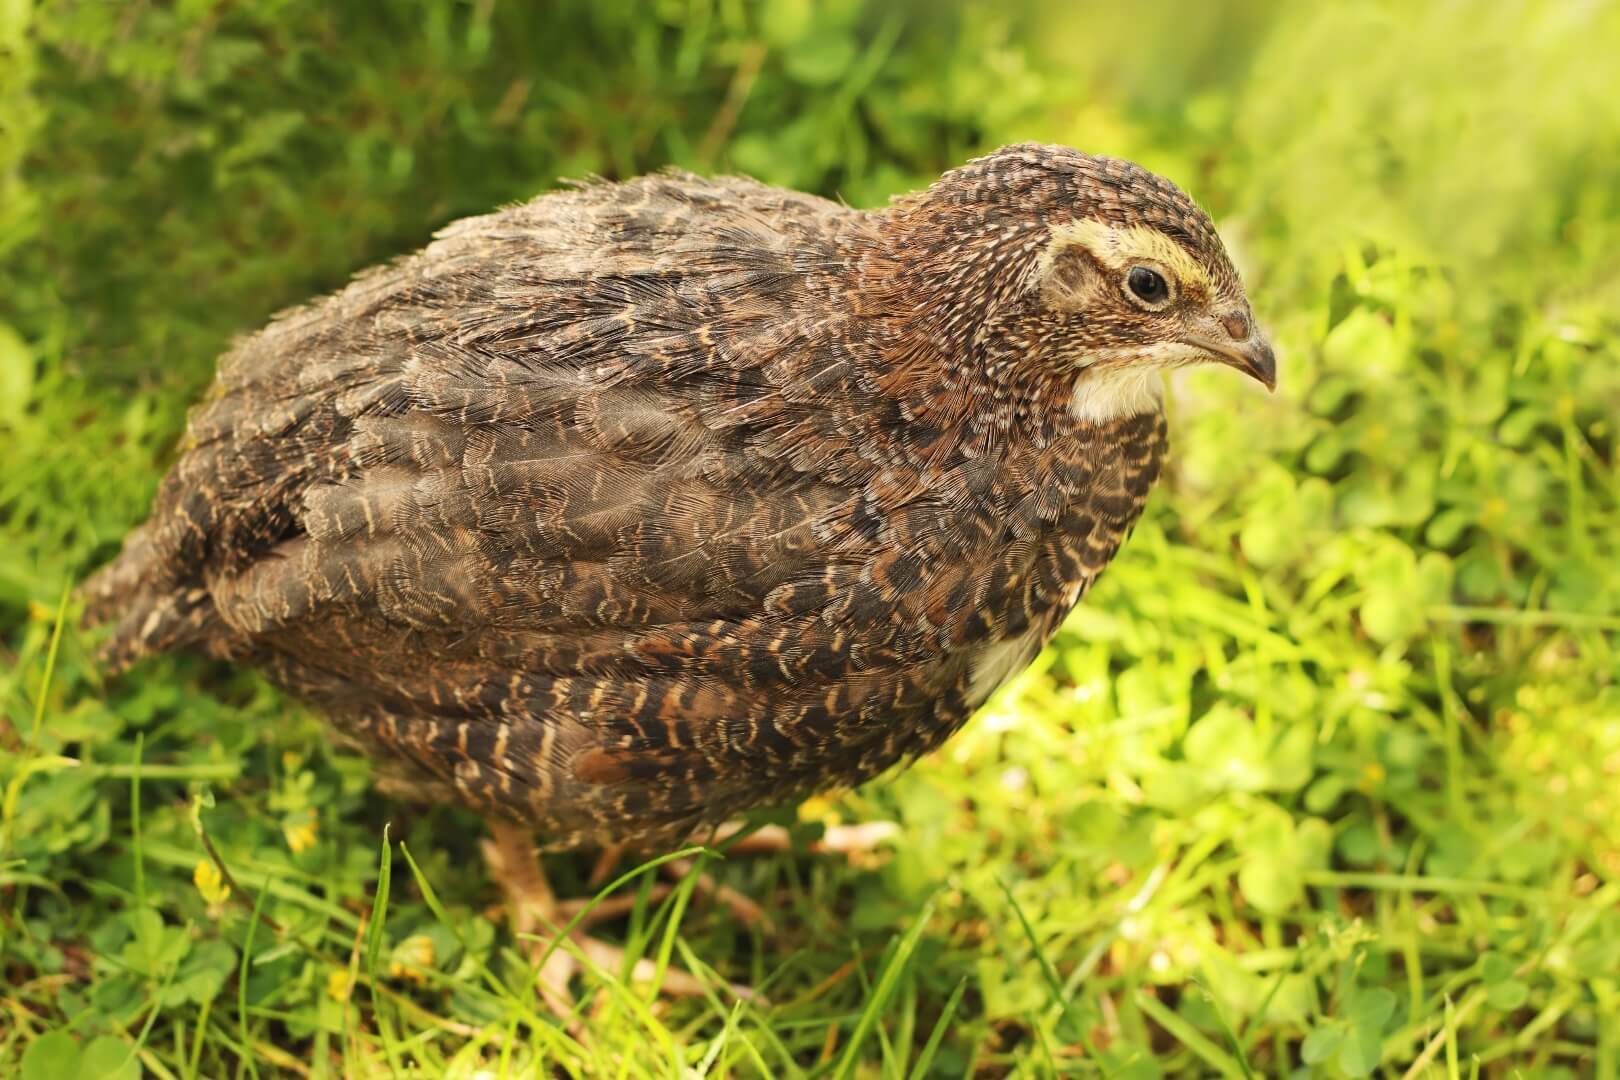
(1420, 883)
(135, 820)
(623, 879)
(14, 789)
(1226, 1029)
(719, 1042)
(925, 1057)
(1188, 1036)
(379, 905)
(1054, 985)
(679, 899)
(241, 988)
(549, 1033)
(1574, 620)
(194, 1059)
(887, 980)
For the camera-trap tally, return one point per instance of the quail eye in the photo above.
(1147, 285)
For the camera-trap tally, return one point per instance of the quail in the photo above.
(618, 512)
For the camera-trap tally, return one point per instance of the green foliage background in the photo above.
(1324, 776)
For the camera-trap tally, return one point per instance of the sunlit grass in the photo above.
(1324, 776)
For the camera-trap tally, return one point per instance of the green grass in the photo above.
(1324, 776)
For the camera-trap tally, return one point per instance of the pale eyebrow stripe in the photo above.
(1118, 246)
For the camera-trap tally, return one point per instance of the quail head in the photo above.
(620, 511)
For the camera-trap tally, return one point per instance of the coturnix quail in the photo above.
(623, 510)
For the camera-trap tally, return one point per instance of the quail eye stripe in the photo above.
(1147, 285)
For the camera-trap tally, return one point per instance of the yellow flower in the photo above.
(412, 958)
(338, 984)
(820, 808)
(210, 882)
(300, 834)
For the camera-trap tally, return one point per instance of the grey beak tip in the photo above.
(1265, 366)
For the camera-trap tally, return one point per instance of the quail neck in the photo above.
(634, 506)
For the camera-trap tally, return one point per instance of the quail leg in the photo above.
(852, 841)
(847, 840)
(537, 916)
(532, 907)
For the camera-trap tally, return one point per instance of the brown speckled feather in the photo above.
(640, 504)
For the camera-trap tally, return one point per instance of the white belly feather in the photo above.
(999, 661)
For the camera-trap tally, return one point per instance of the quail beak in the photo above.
(1254, 357)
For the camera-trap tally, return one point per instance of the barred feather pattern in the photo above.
(636, 505)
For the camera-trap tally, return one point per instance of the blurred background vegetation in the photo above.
(1324, 777)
